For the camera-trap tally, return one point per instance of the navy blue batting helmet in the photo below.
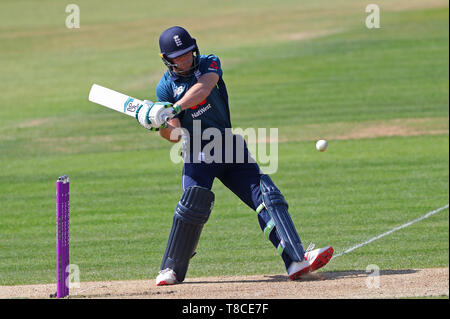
(175, 42)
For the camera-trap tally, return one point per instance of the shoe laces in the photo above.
(164, 271)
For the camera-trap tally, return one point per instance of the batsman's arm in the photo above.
(199, 91)
(194, 96)
(168, 133)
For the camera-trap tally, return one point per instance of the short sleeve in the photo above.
(164, 91)
(211, 63)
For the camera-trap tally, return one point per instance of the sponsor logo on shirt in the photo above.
(201, 111)
(178, 90)
(213, 66)
(198, 105)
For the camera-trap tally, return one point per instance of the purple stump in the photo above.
(62, 236)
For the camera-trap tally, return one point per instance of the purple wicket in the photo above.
(62, 236)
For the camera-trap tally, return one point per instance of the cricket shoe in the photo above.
(166, 277)
(314, 259)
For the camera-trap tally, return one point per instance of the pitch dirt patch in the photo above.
(361, 130)
(322, 285)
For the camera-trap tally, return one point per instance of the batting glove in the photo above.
(168, 111)
(142, 116)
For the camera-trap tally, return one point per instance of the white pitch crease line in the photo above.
(392, 230)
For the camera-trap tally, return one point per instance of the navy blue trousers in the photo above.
(243, 179)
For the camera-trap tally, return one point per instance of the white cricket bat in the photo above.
(114, 100)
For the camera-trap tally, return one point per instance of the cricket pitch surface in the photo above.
(323, 285)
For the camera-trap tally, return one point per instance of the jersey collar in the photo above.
(175, 77)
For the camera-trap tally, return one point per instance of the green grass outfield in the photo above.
(313, 70)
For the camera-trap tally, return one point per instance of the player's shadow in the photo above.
(335, 275)
(319, 276)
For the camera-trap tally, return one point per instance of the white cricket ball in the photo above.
(322, 145)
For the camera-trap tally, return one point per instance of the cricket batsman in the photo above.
(193, 99)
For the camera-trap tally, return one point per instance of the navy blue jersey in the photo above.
(212, 112)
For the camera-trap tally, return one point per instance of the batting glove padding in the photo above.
(148, 109)
(162, 112)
